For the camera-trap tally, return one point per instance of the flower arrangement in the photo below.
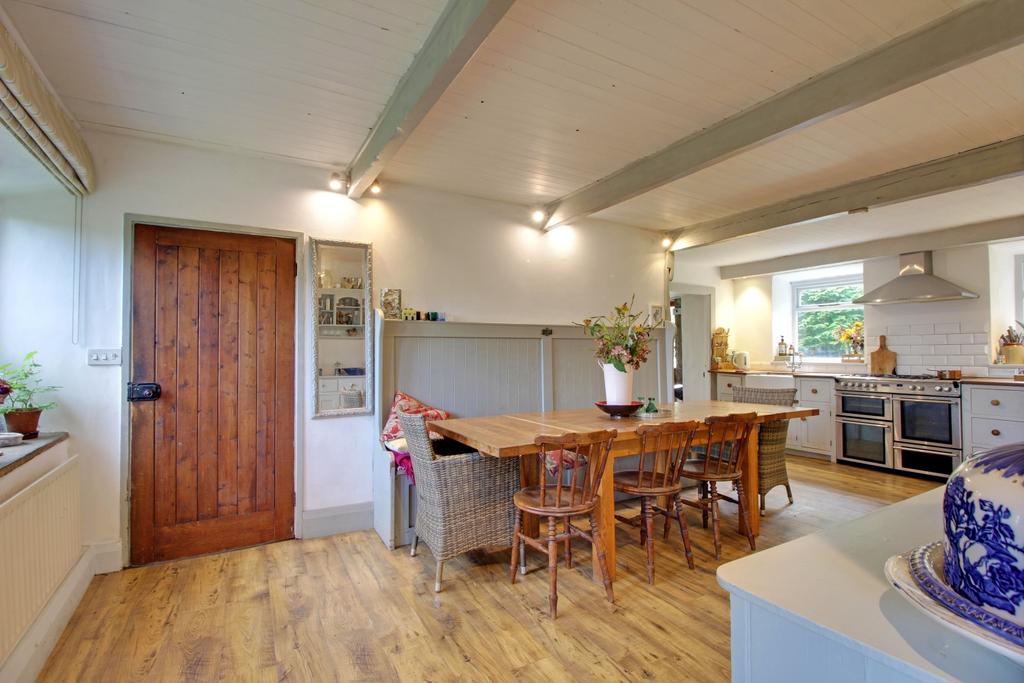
(623, 339)
(852, 334)
(5, 390)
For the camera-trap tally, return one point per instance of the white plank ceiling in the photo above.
(562, 93)
(991, 201)
(301, 80)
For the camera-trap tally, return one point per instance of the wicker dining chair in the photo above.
(663, 450)
(721, 462)
(570, 490)
(771, 443)
(464, 502)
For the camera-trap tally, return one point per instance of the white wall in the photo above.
(752, 318)
(690, 272)
(471, 258)
(36, 296)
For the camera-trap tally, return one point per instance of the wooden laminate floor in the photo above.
(346, 608)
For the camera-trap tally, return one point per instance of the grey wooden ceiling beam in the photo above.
(961, 37)
(959, 236)
(973, 167)
(455, 38)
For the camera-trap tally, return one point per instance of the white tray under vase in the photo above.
(917, 575)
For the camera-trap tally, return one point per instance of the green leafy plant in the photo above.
(25, 385)
(622, 338)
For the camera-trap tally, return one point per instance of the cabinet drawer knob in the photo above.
(803, 419)
(996, 432)
(814, 391)
(995, 401)
(728, 385)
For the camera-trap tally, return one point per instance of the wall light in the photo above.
(666, 242)
(375, 188)
(335, 183)
(538, 216)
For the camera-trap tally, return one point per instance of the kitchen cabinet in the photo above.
(331, 388)
(992, 416)
(724, 383)
(815, 434)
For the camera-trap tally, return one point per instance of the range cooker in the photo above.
(902, 422)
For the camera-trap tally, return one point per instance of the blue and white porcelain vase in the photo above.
(984, 545)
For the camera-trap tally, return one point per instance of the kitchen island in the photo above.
(820, 609)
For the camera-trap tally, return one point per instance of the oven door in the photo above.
(864, 442)
(871, 406)
(927, 421)
(939, 462)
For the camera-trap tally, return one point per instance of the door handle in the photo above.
(996, 432)
(143, 391)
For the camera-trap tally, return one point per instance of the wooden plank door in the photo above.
(212, 460)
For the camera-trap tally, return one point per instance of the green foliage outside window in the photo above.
(815, 327)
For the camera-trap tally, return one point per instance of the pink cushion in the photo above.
(571, 458)
(407, 404)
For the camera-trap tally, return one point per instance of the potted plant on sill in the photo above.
(21, 409)
(623, 344)
(853, 336)
(1011, 345)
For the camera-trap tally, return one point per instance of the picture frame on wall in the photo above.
(391, 303)
(656, 314)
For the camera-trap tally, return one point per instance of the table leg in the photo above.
(529, 475)
(750, 484)
(606, 520)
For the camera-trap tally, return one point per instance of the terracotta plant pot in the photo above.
(23, 421)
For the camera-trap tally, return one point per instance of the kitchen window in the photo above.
(819, 309)
(1018, 262)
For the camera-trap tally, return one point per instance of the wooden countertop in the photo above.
(997, 381)
(829, 375)
(13, 457)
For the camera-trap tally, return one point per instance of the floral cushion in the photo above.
(407, 404)
(571, 458)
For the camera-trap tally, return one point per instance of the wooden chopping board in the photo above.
(883, 361)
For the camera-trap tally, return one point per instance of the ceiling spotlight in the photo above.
(666, 242)
(375, 188)
(336, 182)
(538, 216)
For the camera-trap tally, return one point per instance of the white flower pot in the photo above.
(618, 385)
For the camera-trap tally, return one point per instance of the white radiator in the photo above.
(40, 541)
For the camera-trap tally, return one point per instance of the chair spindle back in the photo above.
(584, 483)
(727, 442)
(663, 450)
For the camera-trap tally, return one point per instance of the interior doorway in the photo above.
(691, 320)
(213, 391)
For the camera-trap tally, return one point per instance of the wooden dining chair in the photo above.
(566, 490)
(663, 450)
(721, 462)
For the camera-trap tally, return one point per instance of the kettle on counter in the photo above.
(741, 359)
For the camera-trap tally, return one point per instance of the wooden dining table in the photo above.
(509, 436)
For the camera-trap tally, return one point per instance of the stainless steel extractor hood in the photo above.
(916, 284)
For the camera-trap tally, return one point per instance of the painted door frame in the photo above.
(680, 290)
(130, 220)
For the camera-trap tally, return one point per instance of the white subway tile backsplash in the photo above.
(900, 348)
(926, 349)
(974, 348)
(922, 329)
(982, 360)
(947, 348)
(960, 338)
(904, 339)
(933, 339)
(946, 328)
(975, 371)
(981, 338)
(960, 360)
(935, 360)
(896, 330)
(909, 360)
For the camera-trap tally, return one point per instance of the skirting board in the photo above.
(337, 520)
(30, 654)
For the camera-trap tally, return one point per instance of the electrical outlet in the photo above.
(104, 356)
